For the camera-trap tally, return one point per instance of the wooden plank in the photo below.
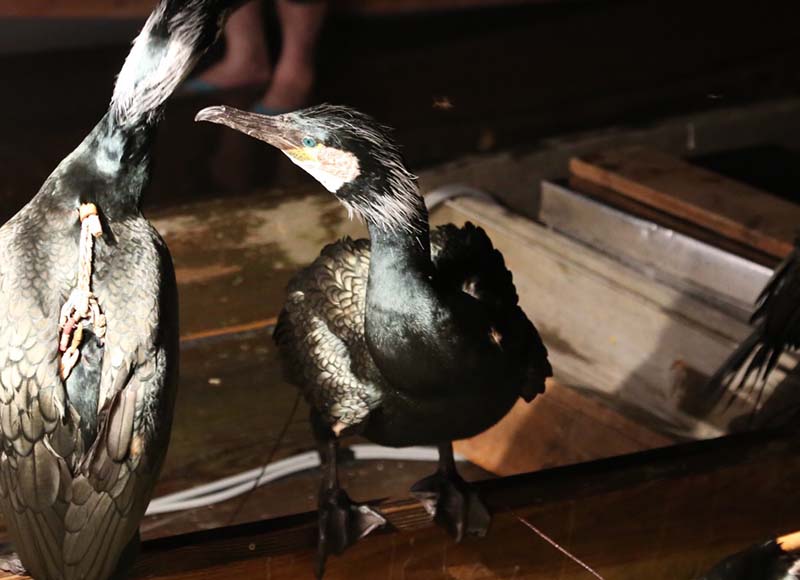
(141, 8)
(675, 533)
(561, 427)
(673, 222)
(732, 209)
(663, 515)
(719, 276)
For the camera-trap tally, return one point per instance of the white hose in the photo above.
(236, 485)
(437, 196)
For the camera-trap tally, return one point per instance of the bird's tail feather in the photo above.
(757, 360)
(175, 36)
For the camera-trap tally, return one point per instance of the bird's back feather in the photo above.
(465, 258)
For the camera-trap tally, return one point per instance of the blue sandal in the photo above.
(198, 86)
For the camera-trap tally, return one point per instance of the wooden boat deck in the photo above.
(664, 514)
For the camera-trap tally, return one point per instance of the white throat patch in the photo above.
(332, 167)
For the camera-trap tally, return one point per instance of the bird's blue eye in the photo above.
(309, 142)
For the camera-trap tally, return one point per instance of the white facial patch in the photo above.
(332, 167)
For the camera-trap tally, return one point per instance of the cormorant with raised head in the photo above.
(412, 337)
(776, 321)
(89, 328)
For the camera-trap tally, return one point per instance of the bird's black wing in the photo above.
(39, 436)
(765, 561)
(320, 334)
(776, 321)
(466, 260)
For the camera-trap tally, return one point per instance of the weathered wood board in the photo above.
(664, 515)
(657, 244)
(667, 514)
(560, 427)
(649, 213)
(730, 208)
(513, 176)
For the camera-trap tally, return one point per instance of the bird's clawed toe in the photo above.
(454, 505)
(12, 564)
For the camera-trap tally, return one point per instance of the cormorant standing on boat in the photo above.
(412, 337)
(777, 328)
(89, 329)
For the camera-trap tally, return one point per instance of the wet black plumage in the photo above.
(767, 561)
(79, 457)
(776, 322)
(411, 337)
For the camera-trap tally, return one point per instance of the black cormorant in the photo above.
(411, 337)
(89, 328)
(776, 321)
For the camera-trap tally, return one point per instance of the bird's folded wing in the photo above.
(113, 484)
(321, 334)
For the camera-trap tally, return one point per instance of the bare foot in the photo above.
(290, 88)
(246, 62)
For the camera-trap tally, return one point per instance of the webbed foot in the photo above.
(454, 504)
(341, 524)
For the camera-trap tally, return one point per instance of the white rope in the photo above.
(236, 485)
(82, 305)
(437, 196)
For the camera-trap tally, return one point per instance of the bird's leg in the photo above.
(452, 502)
(342, 522)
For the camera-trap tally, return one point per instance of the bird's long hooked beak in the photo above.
(267, 128)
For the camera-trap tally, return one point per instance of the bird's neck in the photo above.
(110, 168)
(400, 262)
(400, 289)
(400, 304)
(175, 36)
